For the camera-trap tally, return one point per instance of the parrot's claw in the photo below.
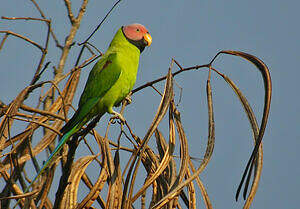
(128, 98)
(118, 116)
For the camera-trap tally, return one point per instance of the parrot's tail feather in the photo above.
(70, 124)
(63, 140)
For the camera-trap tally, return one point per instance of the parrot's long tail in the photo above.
(63, 140)
(73, 122)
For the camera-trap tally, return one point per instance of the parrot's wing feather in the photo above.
(79, 115)
(103, 76)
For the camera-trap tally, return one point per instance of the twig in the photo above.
(164, 77)
(41, 124)
(3, 40)
(102, 21)
(69, 10)
(155, 89)
(51, 31)
(28, 194)
(100, 53)
(44, 53)
(41, 112)
(84, 64)
(70, 38)
(25, 18)
(22, 37)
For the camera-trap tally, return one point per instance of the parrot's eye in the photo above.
(138, 30)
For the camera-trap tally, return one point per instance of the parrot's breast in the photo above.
(129, 67)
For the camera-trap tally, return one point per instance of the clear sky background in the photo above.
(192, 32)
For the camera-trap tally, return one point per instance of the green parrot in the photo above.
(110, 81)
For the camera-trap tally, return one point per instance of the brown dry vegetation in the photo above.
(165, 177)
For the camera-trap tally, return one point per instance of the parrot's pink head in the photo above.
(138, 35)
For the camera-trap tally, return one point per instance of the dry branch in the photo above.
(162, 179)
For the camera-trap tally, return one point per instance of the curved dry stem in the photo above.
(68, 93)
(163, 164)
(267, 102)
(41, 124)
(207, 156)
(202, 188)
(103, 175)
(255, 131)
(78, 168)
(12, 110)
(167, 97)
(183, 145)
(191, 191)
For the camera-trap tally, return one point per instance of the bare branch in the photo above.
(25, 18)
(148, 84)
(69, 10)
(7, 32)
(43, 15)
(3, 40)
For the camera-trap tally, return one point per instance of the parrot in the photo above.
(110, 81)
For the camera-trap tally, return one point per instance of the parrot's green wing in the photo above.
(103, 76)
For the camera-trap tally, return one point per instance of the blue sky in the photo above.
(192, 32)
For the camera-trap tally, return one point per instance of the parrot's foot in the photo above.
(128, 98)
(118, 116)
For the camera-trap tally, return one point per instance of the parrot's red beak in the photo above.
(148, 39)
